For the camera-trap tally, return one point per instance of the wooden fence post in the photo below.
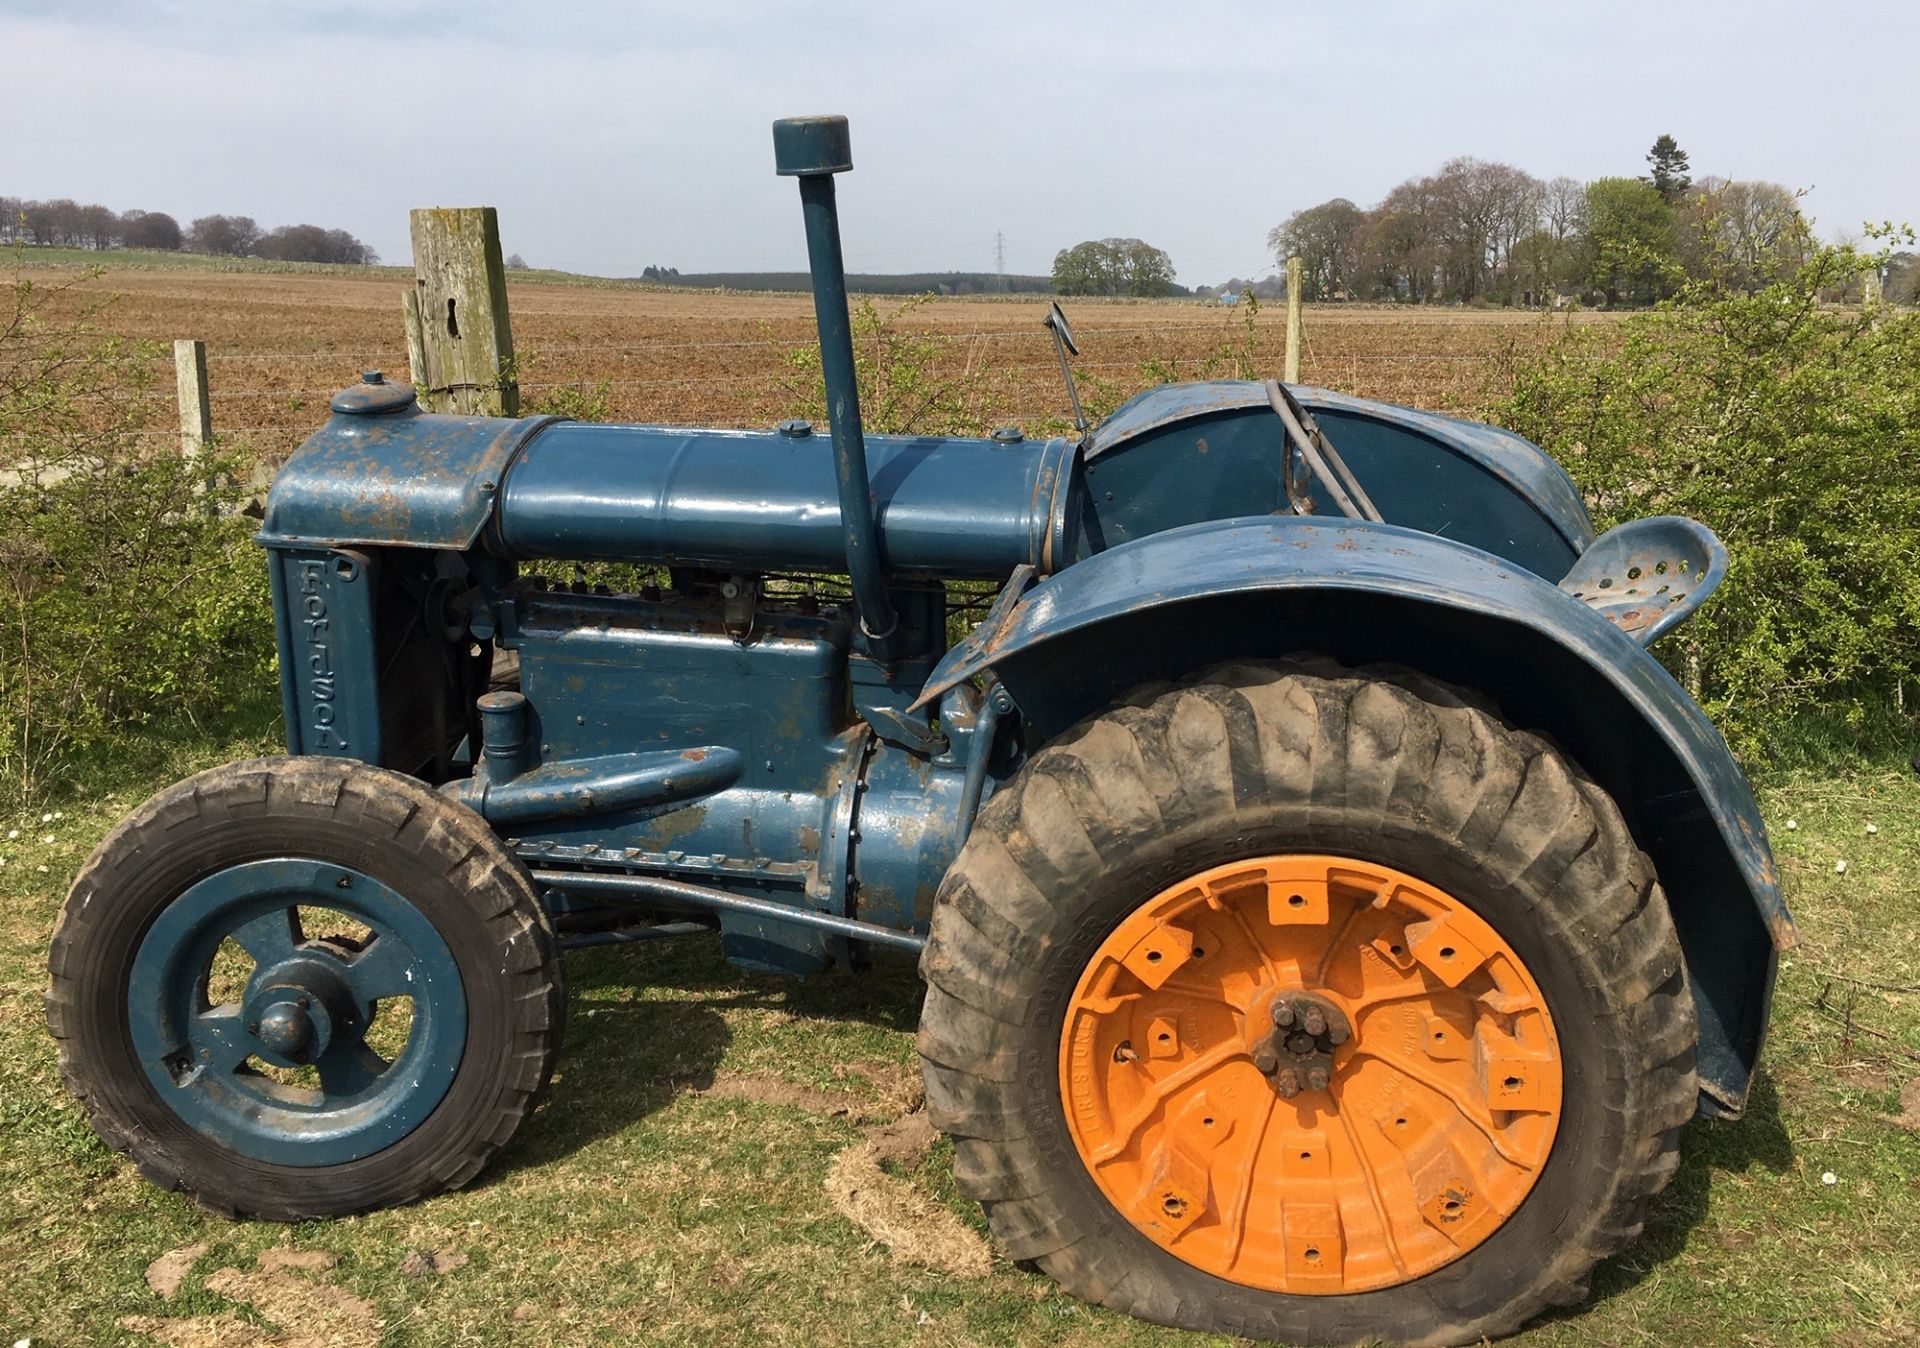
(459, 336)
(196, 413)
(1294, 271)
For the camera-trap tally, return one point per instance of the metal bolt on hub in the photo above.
(1298, 1055)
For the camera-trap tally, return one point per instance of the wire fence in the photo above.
(271, 397)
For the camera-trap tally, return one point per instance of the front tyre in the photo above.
(304, 987)
(1309, 1005)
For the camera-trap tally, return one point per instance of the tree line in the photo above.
(65, 223)
(863, 283)
(1491, 233)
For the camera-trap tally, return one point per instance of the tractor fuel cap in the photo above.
(372, 396)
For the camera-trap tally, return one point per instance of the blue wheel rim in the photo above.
(308, 1002)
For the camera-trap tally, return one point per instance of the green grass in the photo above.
(154, 259)
(634, 1209)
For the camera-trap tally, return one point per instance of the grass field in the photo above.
(731, 1159)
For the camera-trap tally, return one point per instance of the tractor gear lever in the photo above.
(1063, 345)
(1305, 438)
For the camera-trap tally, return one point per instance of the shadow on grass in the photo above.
(1707, 1147)
(629, 1055)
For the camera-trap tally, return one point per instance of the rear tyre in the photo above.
(1128, 952)
(303, 987)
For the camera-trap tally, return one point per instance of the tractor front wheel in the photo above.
(304, 987)
(1308, 1004)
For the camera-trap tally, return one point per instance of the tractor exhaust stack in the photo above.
(813, 149)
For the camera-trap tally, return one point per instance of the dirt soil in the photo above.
(280, 345)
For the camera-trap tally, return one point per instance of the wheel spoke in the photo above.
(1158, 1091)
(270, 937)
(350, 1068)
(219, 1038)
(1253, 942)
(1179, 986)
(1339, 937)
(1235, 1218)
(1373, 1188)
(383, 969)
(1478, 1116)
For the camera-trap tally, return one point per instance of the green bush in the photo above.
(1238, 355)
(130, 588)
(908, 381)
(1793, 430)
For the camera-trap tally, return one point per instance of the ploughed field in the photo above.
(279, 344)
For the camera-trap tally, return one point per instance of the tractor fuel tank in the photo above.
(383, 473)
(758, 501)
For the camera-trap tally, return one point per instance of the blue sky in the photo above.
(614, 135)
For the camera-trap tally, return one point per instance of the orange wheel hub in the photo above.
(1310, 1074)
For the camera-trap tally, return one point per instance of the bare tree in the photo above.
(311, 243)
(150, 229)
(1564, 217)
(37, 219)
(1398, 250)
(99, 226)
(1322, 238)
(65, 223)
(1485, 209)
(1740, 234)
(224, 235)
(1516, 199)
(1563, 208)
(1902, 284)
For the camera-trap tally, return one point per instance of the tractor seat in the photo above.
(1647, 575)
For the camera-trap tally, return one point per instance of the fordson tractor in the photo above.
(1330, 912)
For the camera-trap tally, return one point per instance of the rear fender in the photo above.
(1182, 453)
(1169, 604)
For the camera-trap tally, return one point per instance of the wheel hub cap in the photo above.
(285, 1030)
(1310, 1074)
(1298, 1055)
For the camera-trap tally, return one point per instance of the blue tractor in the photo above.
(1330, 912)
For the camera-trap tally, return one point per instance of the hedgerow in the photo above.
(1791, 427)
(130, 588)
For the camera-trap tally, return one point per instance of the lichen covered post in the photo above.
(459, 335)
(196, 413)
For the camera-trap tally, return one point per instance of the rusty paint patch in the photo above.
(1646, 576)
(403, 477)
(1781, 928)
